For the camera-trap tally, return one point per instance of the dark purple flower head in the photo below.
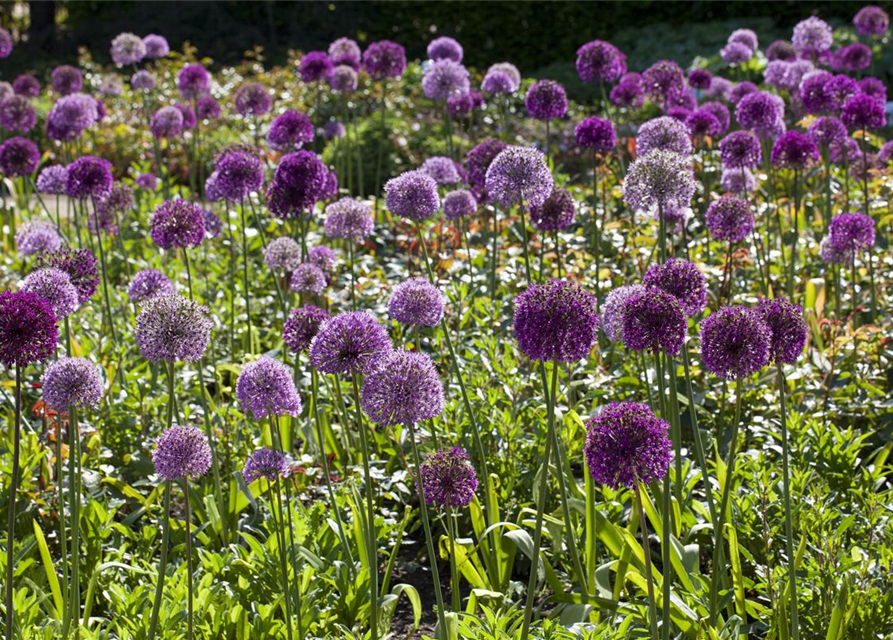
(405, 389)
(37, 237)
(345, 51)
(18, 157)
(147, 181)
(845, 151)
(613, 310)
(546, 100)
(702, 122)
(266, 388)
(17, 114)
(459, 204)
(862, 112)
(181, 452)
(720, 112)
(600, 61)
(814, 94)
(827, 130)
(735, 342)
(308, 278)
(464, 103)
(628, 95)
(265, 463)
(178, 223)
(740, 90)
(289, 131)
(478, 160)
(663, 81)
(349, 343)
(699, 79)
(238, 175)
(6, 43)
(794, 150)
(664, 133)
(66, 80)
(302, 326)
(207, 108)
(252, 99)
(54, 286)
(557, 212)
(189, 117)
(384, 59)
(740, 149)
(350, 219)
(172, 327)
(167, 122)
(81, 269)
(315, 66)
(100, 110)
(874, 88)
(156, 46)
(26, 86)
(448, 479)
(416, 302)
(781, 50)
(729, 219)
(812, 36)
(142, 80)
(787, 328)
(148, 283)
(443, 79)
(597, 134)
(299, 181)
(89, 177)
(851, 232)
(853, 57)
(72, 382)
(333, 129)
(871, 20)
(27, 329)
(442, 169)
(519, 173)
(653, 319)
(412, 195)
(661, 179)
(678, 113)
(127, 49)
(760, 112)
(839, 89)
(625, 444)
(445, 48)
(556, 321)
(682, 280)
(193, 81)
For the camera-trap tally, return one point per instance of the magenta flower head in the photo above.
(465, 103)
(737, 181)
(735, 342)
(478, 161)
(442, 169)
(448, 479)
(193, 81)
(27, 328)
(760, 112)
(556, 321)
(19, 157)
(682, 280)
(871, 20)
(546, 100)
(72, 382)
(181, 452)
(17, 114)
(416, 302)
(827, 131)
(352, 342)
(26, 86)
(613, 310)
(188, 113)
(851, 232)
(845, 151)
(66, 80)
(747, 37)
(307, 278)
(737, 93)
(265, 463)
(729, 219)
(265, 388)
(600, 61)
(207, 108)
(89, 177)
(596, 133)
(740, 149)
(444, 79)
(172, 327)
(445, 48)
(787, 329)
(81, 269)
(315, 66)
(498, 82)
(700, 79)
(6, 43)
(659, 180)
(794, 150)
(874, 88)
(625, 444)
(238, 175)
(302, 326)
(412, 195)
(664, 133)
(178, 223)
(853, 57)
(127, 49)
(812, 36)
(156, 46)
(814, 93)
(298, 182)
(345, 51)
(519, 174)
(282, 254)
(653, 319)
(349, 218)
(862, 112)
(167, 123)
(628, 95)
(289, 131)
(405, 389)
(459, 204)
(148, 283)
(252, 99)
(54, 286)
(663, 81)
(37, 237)
(557, 212)
(384, 59)
(702, 122)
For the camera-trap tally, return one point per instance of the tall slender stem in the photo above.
(162, 565)
(245, 273)
(11, 518)
(455, 590)
(649, 577)
(372, 538)
(188, 518)
(788, 526)
(283, 560)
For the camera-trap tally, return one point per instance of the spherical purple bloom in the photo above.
(416, 302)
(459, 204)
(193, 81)
(17, 114)
(343, 79)
(885, 155)
(737, 181)
(874, 88)
(613, 310)
(787, 328)
(827, 130)
(53, 180)
(699, 79)
(444, 78)
(127, 49)
(265, 463)
(682, 280)
(70, 117)
(181, 452)
(405, 389)
(81, 269)
(72, 382)
(737, 93)
(26, 86)
(463, 104)
(315, 66)
(178, 223)
(600, 61)
(351, 342)
(89, 177)
(794, 150)
(302, 326)
(27, 328)
(156, 46)
(478, 161)
(781, 50)
(445, 47)
(735, 342)
(661, 179)
(289, 131)
(740, 149)
(66, 80)
(736, 53)
(862, 112)
(143, 80)
(680, 114)
(167, 122)
(851, 232)
(747, 37)
(298, 182)
(596, 133)
(812, 36)
(720, 112)
(832, 254)
(18, 157)
(333, 129)
(330, 188)
(345, 51)
(350, 219)
(663, 81)
(871, 20)
(207, 108)
(307, 278)
(412, 195)
(839, 89)
(519, 174)
(148, 283)
(627, 95)
(557, 212)
(702, 122)
(664, 133)
(448, 479)
(324, 258)
(814, 94)
(845, 152)
(118, 201)
(759, 111)
(653, 319)
(497, 82)
(54, 286)
(720, 88)
(146, 181)
(37, 237)
(6, 43)
(729, 219)
(626, 444)
(853, 57)
(189, 117)
(556, 321)
(238, 175)
(266, 388)
(442, 169)
(282, 254)
(546, 100)
(172, 327)
(384, 59)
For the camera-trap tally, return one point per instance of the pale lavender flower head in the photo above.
(156, 46)
(384, 59)
(28, 330)
(265, 463)
(302, 326)
(308, 278)
(315, 66)
(333, 129)
(871, 20)
(412, 195)
(143, 80)
(465, 103)
(831, 253)
(557, 212)
(794, 150)
(252, 99)
(17, 114)
(812, 36)
(89, 177)
(290, 131)
(546, 100)
(178, 223)
(71, 116)
(282, 254)
(188, 113)
(66, 80)
(448, 479)
(628, 95)
(127, 49)
(664, 81)
(787, 329)
(845, 152)
(720, 89)
(682, 280)
(497, 82)
(266, 388)
(350, 343)
(653, 319)
(324, 258)
(735, 342)
(827, 130)
(740, 149)
(111, 85)
(664, 133)
(747, 37)
(167, 122)
(193, 81)
(519, 174)
(37, 237)
(147, 284)
(442, 169)
(556, 321)
(72, 382)
(445, 47)
(613, 310)
(172, 327)
(54, 286)
(729, 219)
(720, 112)
(343, 79)
(416, 302)
(181, 452)
(345, 51)
(19, 157)
(862, 112)
(350, 219)
(596, 133)
(443, 79)
(238, 175)
(737, 181)
(600, 61)
(459, 204)
(510, 70)
(661, 179)
(405, 389)
(853, 57)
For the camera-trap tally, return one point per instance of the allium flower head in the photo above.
(735, 342)
(17, 114)
(845, 151)
(289, 131)
(127, 49)
(405, 389)
(682, 280)
(874, 88)
(178, 223)
(787, 329)
(729, 219)
(384, 59)
(443, 79)
(299, 181)
(812, 36)
(699, 78)
(156, 46)
(37, 237)
(53, 180)
(6, 43)
(307, 278)
(181, 452)
(167, 123)
(736, 53)
(266, 388)
(70, 117)
(478, 161)
(315, 66)
(759, 112)
(19, 157)
(832, 254)
(556, 321)
(661, 179)
(464, 103)
(510, 71)
(442, 169)
(596, 133)
(613, 310)
(839, 89)
(142, 80)
(600, 61)
(89, 177)
(282, 254)
(26, 86)
(663, 81)
(546, 100)
(207, 108)
(188, 113)
(628, 95)
(333, 129)
(794, 150)
(148, 283)
(238, 175)
(343, 79)
(172, 327)
(702, 122)
(459, 204)
(653, 319)
(350, 342)
(265, 463)
(302, 326)
(412, 195)
(66, 80)
(664, 133)
(445, 48)
(625, 444)
(349, 218)
(345, 51)
(853, 57)
(193, 81)
(72, 382)
(252, 99)
(147, 181)
(814, 92)
(862, 112)
(781, 50)
(740, 149)
(851, 232)
(416, 302)
(324, 258)
(54, 286)
(557, 212)
(747, 37)
(448, 479)
(81, 269)
(871, 20)
(27, 328)
(519, 173)
(827, 130)
(740, 90)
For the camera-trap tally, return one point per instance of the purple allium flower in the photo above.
(265, 463)
(6, 91)
(111, 85)
(874, 88)
(442, 169)
(596, 133)
(308, 278)
(794, 150)
(702, 122)
(6, 43)
(787, 329)
(613, 310)
(289, 131)
(661, 179)
(54, 286)
(238, 175)
(680, 114)
(178, 223)
(412, 195)
(26, 85)
(207, 108)
(699, 79)
(653, 319)
(737, 93)
(27, 328)
(600, 61)
(720, 88)
(760, 112)
(53, 180)
(89, 177)
(266, 388)
(464, 104)
(72, 382)
(384, 59)
(405, 389)
(827, 130)
(302, 326)
(735, 342)
(148, 283)
(885, 155)
(556, 321)
(519, 174)
(330, 188)
(343, 79)
(81, 269)
(814, 94)
(37, 237)
(729, 219)
(333, 129)
(736, 53)
(871, 20)
(443, 79)
(478, 161)
(445, 48)
(448, 478)
(747, 37)
(853, 57)
(740, 149)
(682, 280)
(865, 167)
(156, 46)
(143, 80)
(839, 89)
(720, 112)
(118, 201)
(862, 112)
(146, 181)
(812, 36)
(282, 254)
(851, 232)
(324, 258)
(172, 327)
(845, 152)
(189, 117)
(459, 204)
(557, 212)
(299, 181)
(737, 181)
(17, 114)
(315, 66)
(625, 444)
(345, 51)
(70, 117)
(66, 80)
(416, 302)
(781, 50)
(663, 81)
(350, 219)
(193, 81)
(628, 95)
(664, 133)
(508, 69)
(167, 122)
(181, 452)
(546, 100)
(832, 254)
(127, 49)
(351, 342)
(18, 157)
